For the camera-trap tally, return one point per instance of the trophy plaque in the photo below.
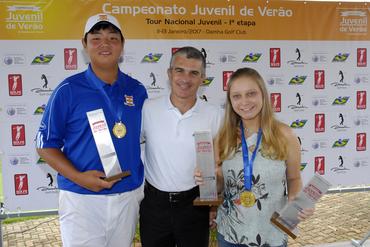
(287, 219)
(104, 144)
(206, 163)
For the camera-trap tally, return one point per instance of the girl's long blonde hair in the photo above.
(274, 144)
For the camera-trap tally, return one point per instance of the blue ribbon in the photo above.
(248, 164)
(115, 111)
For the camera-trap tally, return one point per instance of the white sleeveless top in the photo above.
(251, 226)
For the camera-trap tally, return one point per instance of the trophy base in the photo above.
(276, 222)
(207, 202)
(118, 176)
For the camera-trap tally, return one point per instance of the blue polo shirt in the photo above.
(65, 126)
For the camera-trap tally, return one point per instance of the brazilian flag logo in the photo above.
(340, 100)
(41, 161)
(303, 165)
(42, 59)
(297, 80)
(151, 58)
(39, 110)
(340, 57)
(298, 124)
(252, 57)
(340, 143)
(207, 81)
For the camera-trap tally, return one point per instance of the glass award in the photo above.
(287, 219)
(104, 144)
(206, 163)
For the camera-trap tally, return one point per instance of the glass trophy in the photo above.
(104, 144)
(287, 219)
(206, 163)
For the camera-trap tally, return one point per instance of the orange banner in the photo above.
(191, 19)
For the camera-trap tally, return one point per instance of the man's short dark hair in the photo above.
(190, 53)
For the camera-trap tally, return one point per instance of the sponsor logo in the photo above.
(42, 59)
(276, 101)
(360, 141)
(152, 58)
(341, 82)
(10, 111)
(24, 18)
(340, 168)
(44, 90)
(39, 110)
(252, 57)
(50, 188)
(319, 79)
(341, 126)
(353, 21)
(340, 143)
(14, 161)
(174, 49)
(340, 57)
(319, 144)
(228, 57)
(207, 81)
(303, 165)
(340, 100)
(15, 85)
(99, 126)
(14, 59)
(319, 122)
(361, 100)
(225, 79)
(41, 161)
(203, 97)
(320, 165)
(18, 135)
(205, 55)
(297, 80)
(129, 100)
(361, 120)
(129, 58)
(361, 162)
(361, 57)
(300, 143)
(275, 57)
(16, 110)
(275, 80)
(298, 106)
(319, 101)
(154, 87)
(298, 62)
(298, 124)
(70, 58)
(21, 184)
(319, 57)
(361, 78)
(20, 159)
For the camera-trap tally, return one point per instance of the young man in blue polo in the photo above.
(95, 211)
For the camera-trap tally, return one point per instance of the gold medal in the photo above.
(247, 199)
(119, 130)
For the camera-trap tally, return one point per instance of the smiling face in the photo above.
(104, 47)
(185, 75)
(246, 98)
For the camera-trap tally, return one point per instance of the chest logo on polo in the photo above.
(129, 100)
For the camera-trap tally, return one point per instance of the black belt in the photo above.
(172, 197)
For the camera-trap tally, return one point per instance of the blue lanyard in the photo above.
(115, 111)
(248, 164)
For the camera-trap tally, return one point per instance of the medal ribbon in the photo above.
(116, 111)
(248, 164)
